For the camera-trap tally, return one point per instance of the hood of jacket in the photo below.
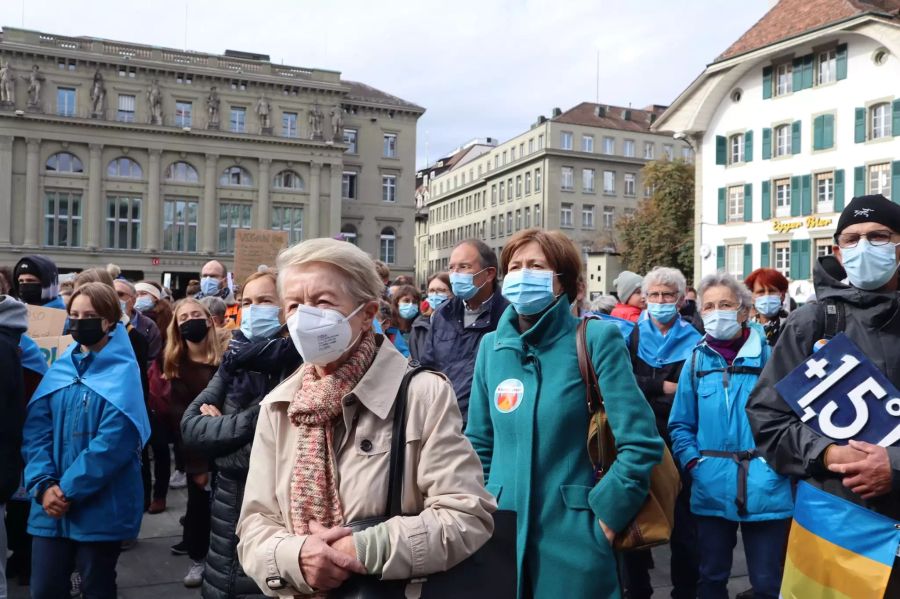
(829, 279)
(43, 268)
(13, 314)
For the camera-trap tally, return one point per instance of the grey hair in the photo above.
(724, 279)
(362, 282)
(486, 256)
(215, 305)
(604, 304)
(127, 283)
(663, 275)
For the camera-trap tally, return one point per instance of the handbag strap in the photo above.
(592, 396)
(398, 446)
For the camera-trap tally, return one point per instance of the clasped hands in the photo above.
(866, 468)
(54, 502)
(328, 557)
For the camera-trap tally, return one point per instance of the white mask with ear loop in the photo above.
(321, 336)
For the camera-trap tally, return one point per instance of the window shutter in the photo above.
(748, 142)
(795, 196)
(806, 195)
(766, 200)
(859, 127)
(818, 132)
(795, 260)
(838, 190)
(748, 203)
(748, 259)
(859, 181)
(827, 131)
(721, 149)
(765, 261)
(795, 138)
(720, 258)
(797, 73)
(895, 181)
(767, 83)
(767, 144)
(895, 124)
(804, 258)
(723, 207)
(841, 66)
(807, 71)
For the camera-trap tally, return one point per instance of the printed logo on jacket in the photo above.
(508, 395)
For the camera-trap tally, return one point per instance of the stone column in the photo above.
(263, 208)
(313, 221)
(153, 209)
(209, 226)
(6, 207)
(92, 208)
(33, 209)
(334, 206)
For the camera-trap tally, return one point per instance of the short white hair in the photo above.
(663, 275)
(362, 281)
(724, 279)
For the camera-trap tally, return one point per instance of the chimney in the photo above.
(556, 112)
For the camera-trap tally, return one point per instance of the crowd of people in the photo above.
(276, 401)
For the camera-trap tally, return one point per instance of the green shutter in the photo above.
(765, 261)
(806, 195)
(748, 143)
(807, 71)
(838, 190)
(895, 181)
(767, 83)
(795, 260)
(748, 259)
(827, 131)
(723, 206)
(859, 126)
(748, 202)
(721, 149)
(720, 258)
(819, 132)
(842, 62)
(795, 196)
(797, 72)
(804, 258)
(766, 200)
(859, 181)
(895, 124)
(795, 137)
(767, 144)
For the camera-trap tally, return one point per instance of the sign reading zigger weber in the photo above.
(840, 394)
(253, 247)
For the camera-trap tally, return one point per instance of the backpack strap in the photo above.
(634, 340)
(835, 318)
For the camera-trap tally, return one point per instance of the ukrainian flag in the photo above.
(837, 549)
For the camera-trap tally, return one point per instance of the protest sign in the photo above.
(840, 394)
(53, 347)
(253, 247)
(45, 322)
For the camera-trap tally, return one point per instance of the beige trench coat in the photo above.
(443, 481)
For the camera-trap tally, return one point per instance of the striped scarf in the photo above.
(314, 410)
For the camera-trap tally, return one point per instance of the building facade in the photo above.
(577, 172)
(800, 115)
(151, 158)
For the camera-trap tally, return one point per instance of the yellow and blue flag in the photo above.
(837, 549)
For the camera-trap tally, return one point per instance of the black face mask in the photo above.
(30, 293)
(194, 330)
(86, 331)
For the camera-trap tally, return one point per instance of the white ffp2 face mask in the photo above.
(321, 336)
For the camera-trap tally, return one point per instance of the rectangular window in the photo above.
(518, 186)
(735, 204)
(527, 183)
(493, 227)
(519, 219)
(351, 138)
(502, 226)
(782, 250)
(587, 143)
(825, 192)
(541, 141)
(348, 185)
(537, 179)
(587, 217)
(527, 217)
(62, 218)
(509, 189)
(880, 120)
(668, 152)
(565, 215)
(687, 154)
(184, 78)
(609, 145)
(65, 101)
(628, 148)
(567, 178)
(66, 65)
(538, 217)
(826, 67)
(782, 198)
(389, 188)
(289, 124)
(183, 113)
(494, 195)
(238, 119)
(649, 150)
(123, 223)
(180, 225)
(512, 154)
(630, 184)
(565, 140)
(290, 219)
(502, 191)
(824, 247)
(390, 145)
(127, 71)
(609, 217)
(609, 182)
(783, 140)
(734, 260)
(125, 113)
(232, 216)
(587, 180)
(387, 251)
(531, 146)
(784, 79)
(880, 179)
(736, 148)
(509, 222)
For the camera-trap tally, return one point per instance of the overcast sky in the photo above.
(481, 68)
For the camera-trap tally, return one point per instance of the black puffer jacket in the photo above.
(249, 370)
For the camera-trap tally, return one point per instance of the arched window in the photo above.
(64, 162)
(124, 167)
(236, 176)
(288, 180)
(348, 232)
(182, 172)
(387, 251)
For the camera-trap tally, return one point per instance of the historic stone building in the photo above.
(151, 158)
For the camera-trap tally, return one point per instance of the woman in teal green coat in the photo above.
(528, 421)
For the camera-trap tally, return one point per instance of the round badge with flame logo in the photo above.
(508, 395)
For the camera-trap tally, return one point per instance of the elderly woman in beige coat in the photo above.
(320, 457)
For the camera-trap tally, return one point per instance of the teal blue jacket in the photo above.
(528, 421)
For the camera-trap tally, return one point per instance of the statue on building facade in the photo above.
(7, 85)
(35, 85)
(263, 108)
(98, 96)
(154, 99)
(315, 123)
(337, 124)
(212, 108)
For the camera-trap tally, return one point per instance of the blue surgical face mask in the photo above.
(408, 311)
(463, 284)
(529, 291)
(721, 324)
(144, 303)
(259, 321)
(209, 285)
(664, 313)
(869, 267)
(436, 299)
(124, 306)
(768, 305)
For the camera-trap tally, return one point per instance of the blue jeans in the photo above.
(54, 559)
(764, 544)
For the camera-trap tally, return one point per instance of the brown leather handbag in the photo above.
(653, 523)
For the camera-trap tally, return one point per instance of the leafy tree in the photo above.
(661, 230)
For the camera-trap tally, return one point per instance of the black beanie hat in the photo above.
(870, 209)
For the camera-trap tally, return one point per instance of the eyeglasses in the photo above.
(722, 305)
(850, 240)
(667, 296)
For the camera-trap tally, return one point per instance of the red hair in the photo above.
(768, 278)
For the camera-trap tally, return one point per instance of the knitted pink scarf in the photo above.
(314, 410)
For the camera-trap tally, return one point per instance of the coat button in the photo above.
(366, 445)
